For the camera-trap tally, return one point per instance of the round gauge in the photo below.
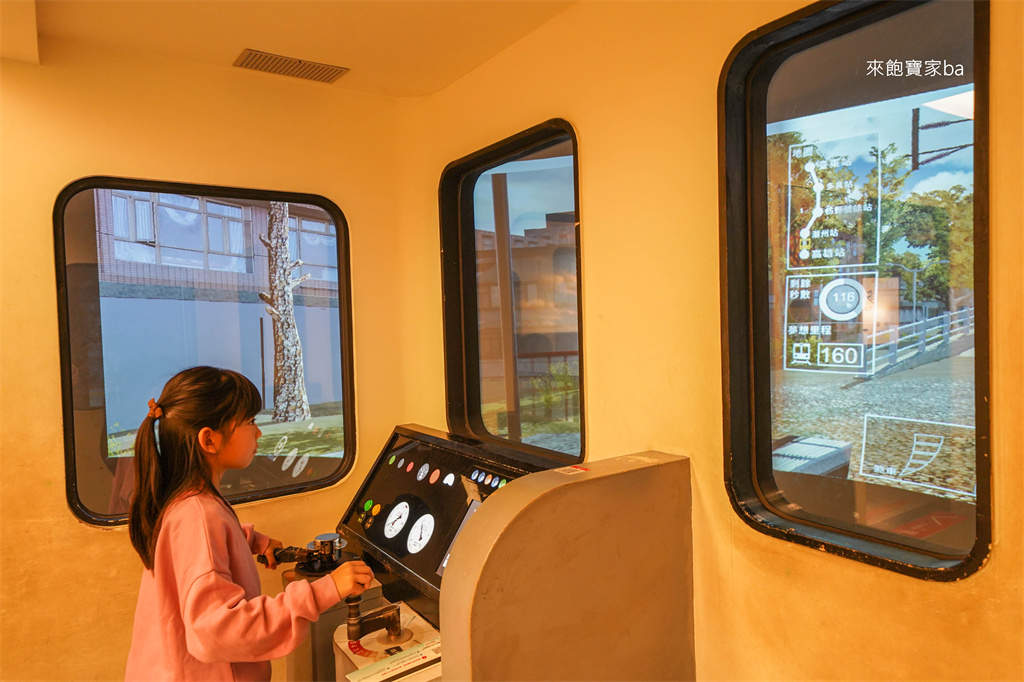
(419, 534)
(842, 299)
(396, 520)
(422, 473)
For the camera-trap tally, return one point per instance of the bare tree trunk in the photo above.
(290, 401)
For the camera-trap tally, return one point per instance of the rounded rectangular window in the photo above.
(867, 322)
(157, 277)
(510, 214)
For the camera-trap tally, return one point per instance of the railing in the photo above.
(895, 345)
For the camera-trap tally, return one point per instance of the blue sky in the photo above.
(535, 188)
(890, 120)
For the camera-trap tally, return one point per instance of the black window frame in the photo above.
(746, 379)
(91, 183)
(459, 290)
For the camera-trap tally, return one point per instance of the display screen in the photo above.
(469, 512)
(871, 298)
(158, 278)
(415, 502)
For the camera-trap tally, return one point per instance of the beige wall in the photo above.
(640, 88)
(639, 82)
(85, 112)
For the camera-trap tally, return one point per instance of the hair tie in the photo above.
(155, 411)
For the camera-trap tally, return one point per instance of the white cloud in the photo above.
(943, 180)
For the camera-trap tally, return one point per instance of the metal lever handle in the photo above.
(286, 555)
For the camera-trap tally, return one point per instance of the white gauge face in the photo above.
(396, 520)
(422, 473)
(419, 534)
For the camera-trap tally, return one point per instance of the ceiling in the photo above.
(400, 48)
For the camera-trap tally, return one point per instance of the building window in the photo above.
(157, 277)
(510, 234)
(314, 245)
(856, 332)
(181, 231)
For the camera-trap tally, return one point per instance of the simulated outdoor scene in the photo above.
(525, 231)
(872, 305)
(180, 280)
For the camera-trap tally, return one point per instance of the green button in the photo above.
(366, 507)
(392, 460)
(502, 484)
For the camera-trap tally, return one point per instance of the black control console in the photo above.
(416, 499)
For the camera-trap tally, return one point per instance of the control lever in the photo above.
(386, 617)
(319, 558)
(287, 555)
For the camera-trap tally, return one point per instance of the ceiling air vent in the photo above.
(289, 66)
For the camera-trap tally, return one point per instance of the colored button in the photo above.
(376, 509)
(502, 484)
(401, 462)
(449, 479)
(475, 475)
(436, 475)
(494, 483)
(366, 507)
(392, 460)
(487, 480)
(409, 468)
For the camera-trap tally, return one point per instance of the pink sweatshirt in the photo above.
(200, 614)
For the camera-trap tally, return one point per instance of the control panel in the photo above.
(416, 499)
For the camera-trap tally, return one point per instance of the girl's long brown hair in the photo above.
(168, 461)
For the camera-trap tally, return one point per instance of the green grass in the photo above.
(323, 433)
(318, 435)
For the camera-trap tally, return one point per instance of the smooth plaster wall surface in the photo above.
(87, 111)
(639, 82)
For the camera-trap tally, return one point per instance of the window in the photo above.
(856, 328)
(157, 277)
(510, 239)
(313, 243)
(176, 230)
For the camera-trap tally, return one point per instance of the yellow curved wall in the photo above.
(639, 81)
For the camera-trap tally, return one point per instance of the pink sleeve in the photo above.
(258, 542)
(221, 625)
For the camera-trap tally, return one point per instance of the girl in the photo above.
(200, 615)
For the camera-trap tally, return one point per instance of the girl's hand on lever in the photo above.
(351, 578)
(269, 553)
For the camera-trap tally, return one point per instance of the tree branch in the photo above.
(296, 282)
(273, 313)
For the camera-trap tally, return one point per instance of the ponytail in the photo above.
(168, 461)
(145, 509)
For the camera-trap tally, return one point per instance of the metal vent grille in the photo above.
(289, 66)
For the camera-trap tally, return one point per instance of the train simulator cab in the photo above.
(623, 340)
(481, 544)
